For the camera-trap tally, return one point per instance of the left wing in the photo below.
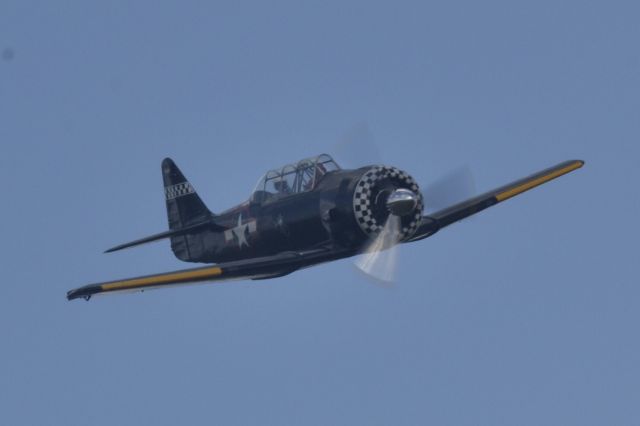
(435, 221)
(256, 268)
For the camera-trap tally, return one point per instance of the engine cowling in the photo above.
(371, 196)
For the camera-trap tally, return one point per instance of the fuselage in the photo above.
(258, 227)
(341, 211)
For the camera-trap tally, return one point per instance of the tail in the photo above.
(184, 206)
(185, 209)
(189, 218)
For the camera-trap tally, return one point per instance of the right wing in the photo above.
(445, 217)
(256, 268)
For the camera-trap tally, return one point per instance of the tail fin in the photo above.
(189, 218)
(184, 206)
(184, 209)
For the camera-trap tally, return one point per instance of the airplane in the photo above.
(298, 216)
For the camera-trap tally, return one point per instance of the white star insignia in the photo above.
(240, 231)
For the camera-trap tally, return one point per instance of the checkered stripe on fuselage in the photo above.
(178, 190)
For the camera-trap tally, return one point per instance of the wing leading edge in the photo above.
(257, 268)
(445, 217)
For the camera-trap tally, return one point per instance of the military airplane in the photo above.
(298, 216)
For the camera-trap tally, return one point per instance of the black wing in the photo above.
(438, 220)
(257, 268)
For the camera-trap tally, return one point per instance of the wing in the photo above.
(445, 217)
(256, 268)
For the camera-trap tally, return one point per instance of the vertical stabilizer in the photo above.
(184, 208)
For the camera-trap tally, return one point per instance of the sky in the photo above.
(525, 314)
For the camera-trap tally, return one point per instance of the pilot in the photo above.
(282, 186)
(320, 171)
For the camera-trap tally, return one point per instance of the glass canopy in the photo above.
(293, 178)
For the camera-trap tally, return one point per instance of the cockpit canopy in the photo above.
(293, 178)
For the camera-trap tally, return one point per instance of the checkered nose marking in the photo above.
(362, 207)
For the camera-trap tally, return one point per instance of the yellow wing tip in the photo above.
(558, 171)
(200, 274)
(573, 165)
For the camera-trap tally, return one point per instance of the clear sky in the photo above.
(527, 314)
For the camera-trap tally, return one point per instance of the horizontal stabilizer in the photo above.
(168, 234)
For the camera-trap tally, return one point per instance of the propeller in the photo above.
(379, 257)
(455, 186)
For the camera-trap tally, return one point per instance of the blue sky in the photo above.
(526, 314)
